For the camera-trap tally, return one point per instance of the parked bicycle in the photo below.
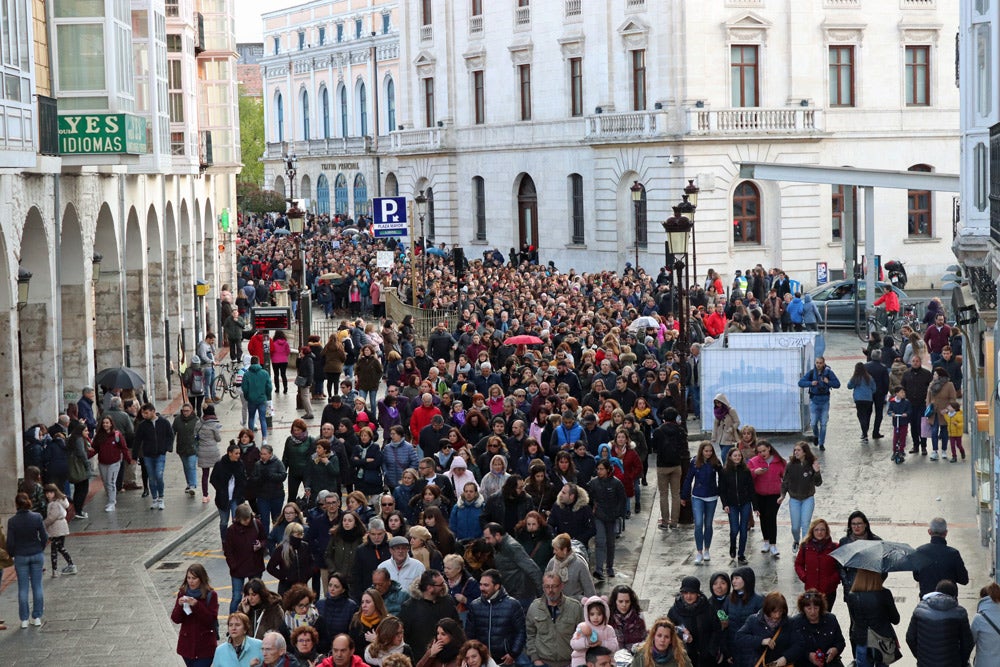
(228, 379)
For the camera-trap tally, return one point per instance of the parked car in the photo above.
(836, 300)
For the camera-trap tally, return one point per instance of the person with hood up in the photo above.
(459, 474)
(810, 313)
(464, 520)
(726, 425)
(939, 634)
(595, 630)
(698, 624)
(607, 497)
(496, 478)
(743, 602)
(572, 514)
(257, 389)
(984, 626)
(795, 311)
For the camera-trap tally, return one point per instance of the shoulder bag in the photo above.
(763, 656)
(882, 649)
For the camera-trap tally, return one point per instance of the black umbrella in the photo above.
(878, 556)
(119, 378)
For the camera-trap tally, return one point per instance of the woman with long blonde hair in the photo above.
(663, 647)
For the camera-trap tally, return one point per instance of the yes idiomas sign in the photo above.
(96, 134)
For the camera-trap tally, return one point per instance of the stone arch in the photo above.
(391, 185)
(187, 278)
(279, 185)
(305, 191)
(155, 306)
(136, 313)
(76, 304)
(109, 341)
(37, 319)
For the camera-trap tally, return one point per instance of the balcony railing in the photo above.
(522, 18)
(48, 126)
(319, 147)
(574, 7)
(755, 121)
(426, 33)
(476, 25)
(841, 4)
(420, 139)
(917, 4)
(631, 124)
(635, 5)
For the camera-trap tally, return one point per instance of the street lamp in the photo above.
(421, 201)
(295, 215)
(678, 228)
(637, 191)
(96, 262)
(23, 278)
(691, 197)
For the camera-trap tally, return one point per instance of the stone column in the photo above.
(10, 436)
(109, 343)
(77, 351)
(213, 297)
(186, 297)
(172, 286)
(37, 336)
(137, 321)
(157, 385)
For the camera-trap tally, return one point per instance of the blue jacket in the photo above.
(565, 438)
(810, 312)
(395, 459)
(334, 619)
(225, 654)
(821, 392)
(26, 534)
(899, 412)
(85, 408)
(705, 479)
(863, 391)
(498, 622)
(794, 310)
(464, 521)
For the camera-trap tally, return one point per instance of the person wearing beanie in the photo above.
(702, 632)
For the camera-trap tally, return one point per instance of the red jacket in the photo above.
(421, 418)
(891, 301)
(715, 324)
(355, 662)
(111, 448)
(815, 566)
(199, 630)
(255, 348)
(633, 469)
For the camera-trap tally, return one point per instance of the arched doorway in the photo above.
(341, 204)
(527, 213)
(109, 341)
(391, 185)
(76, 304)
(136, 312)
(155, 384)
(322, 195)
(37, 326)
(279, 185)
(361, 207)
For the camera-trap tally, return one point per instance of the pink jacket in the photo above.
(606, 636)
(279, 351)
(768, 484)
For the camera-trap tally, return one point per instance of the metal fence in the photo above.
(424, 320)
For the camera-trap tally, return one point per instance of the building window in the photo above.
(357, 28)
(425, 12)
(918, 203)
(175, 43)
(479, 192)
(305, 116)
(363, 108)
(429, 102)
(385, 24)
(361, 206)
(576, 201)
(743, 70)
(170, 8)
(641, 226)
(325, 110)
(479, 95)
(340, 32)
(843, 199)
(281, 117)
(524, 76)
(340, 195)
(390, 104)
(322, 195)
(322, 36)
(302, 40)
(576, 86)
(277, 45)
(477, 9)
(177, 143)
(343, 111)
(746, 213)
(842, 76)
(175, 83)
(918, 76)
(639, 80)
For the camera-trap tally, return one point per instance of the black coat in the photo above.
(703, 624)
(736, 486)
(607, 498)
(811, 637)
(420, 618)
(367, 558)
(268, 479)
(224, 470)
(334, 618)
(154, 438)
(670, 442)
(939, 562)
(505, 512)
(577, 520)
(880, 374)
(755, 631)
(939, 634)
(871, 609)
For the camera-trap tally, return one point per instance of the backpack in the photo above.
(352, 352)
(238, 378)
(197, 383)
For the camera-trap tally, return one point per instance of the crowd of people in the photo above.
(461, 518)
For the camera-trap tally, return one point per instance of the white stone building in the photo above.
(117, 168)
(330, 87)
(529, 121)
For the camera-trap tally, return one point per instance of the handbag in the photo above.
(925, 428)
(763, 656)
(882, 649)
(6, 560)
(77, 470)
(301, 381)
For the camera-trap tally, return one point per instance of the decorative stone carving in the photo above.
(475, 60)
(920, 33)
(425, 64)
(520, 54)
(634, 33)
(748, 28)
(572, 47)
(844, 33)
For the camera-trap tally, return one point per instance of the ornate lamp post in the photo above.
(295, 215)
(421, 201)
(678, 228)
(637, 190)
(691, 199)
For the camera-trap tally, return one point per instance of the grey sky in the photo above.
(249, 27)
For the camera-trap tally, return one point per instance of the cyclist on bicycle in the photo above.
(891, 301)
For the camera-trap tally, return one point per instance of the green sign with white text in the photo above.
(102, 134)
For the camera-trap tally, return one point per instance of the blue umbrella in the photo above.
(282, 231)
(437, 251)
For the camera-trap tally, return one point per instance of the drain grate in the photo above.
(70, 625)
(168, 566)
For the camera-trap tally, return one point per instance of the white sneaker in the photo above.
(698, 558)
(774, 550)
(264, 441)
(159, 504)
(154, 503)
(37, 622)
(110, 507)
(24, 625)
(933, 456)
(707, 557)
(764, 548)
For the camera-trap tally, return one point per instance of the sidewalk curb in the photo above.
(652, 532)
(157, 553)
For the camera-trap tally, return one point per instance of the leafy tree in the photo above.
(251, 138)
(255, 200)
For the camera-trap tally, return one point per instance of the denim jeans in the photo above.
(371, 398)
(694, 391)
(269, 509)
(191, 470)
(739, 525)
(29, 572)
(258, 410)
(238, 582)
(154, 466)
(210, 380)
(861, 658)
(800, 512)
(604, 544)
(704, 512)
(819, 414)
(224, 516)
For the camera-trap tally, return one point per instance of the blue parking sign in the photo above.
(389, 216)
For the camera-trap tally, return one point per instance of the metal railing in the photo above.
(522, 17)
(476, 25)
(424, 320)
(754, 121)
(574, 7)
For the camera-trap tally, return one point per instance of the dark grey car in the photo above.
(836, 300)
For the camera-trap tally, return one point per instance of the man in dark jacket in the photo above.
(594, 435)
(368, 556)
(440, 343)
(916, 381)
(431, 435)
(564, 374)
(268, 484)
(671, 447)
(939, 634)
(937, 561)
(335, 410)
(496, 620)
(428, 475)
(427, 605)
(880, 374)
(523, 576)
(154, 438)
(229, 479)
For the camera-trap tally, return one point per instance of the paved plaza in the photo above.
(115, 611)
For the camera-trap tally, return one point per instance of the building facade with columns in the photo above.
(529, 122)
(114, 199)
(330, 87)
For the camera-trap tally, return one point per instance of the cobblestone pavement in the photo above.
(115, 611)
